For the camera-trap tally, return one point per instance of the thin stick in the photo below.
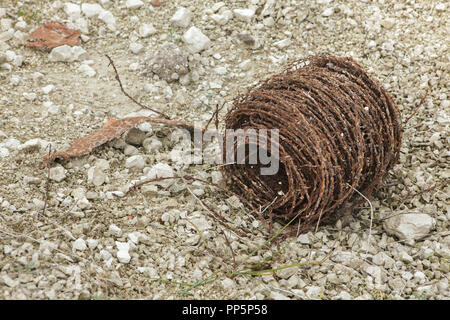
(130, 97)
(416, 109)
(47, 187)
(371, 216)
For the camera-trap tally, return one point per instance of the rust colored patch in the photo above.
(157, 3)
(51, 35)
(112, 129)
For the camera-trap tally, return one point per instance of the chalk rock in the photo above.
(133, 4)
(91, 9)
(410, 226)
(195, 40)
(108, 18)
(136, 47)
(92, 243)
(181, 18)
(79, 244)
(4, 152)
(135, 162)
(87, 70)
(57, 173)
(245, 15)
(146, 30)
(115, 231)
(123, 256)
(96, 176)
(67, 53)
(72, 10)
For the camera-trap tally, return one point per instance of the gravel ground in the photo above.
(94, 242)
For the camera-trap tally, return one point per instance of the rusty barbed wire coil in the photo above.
(339, 130)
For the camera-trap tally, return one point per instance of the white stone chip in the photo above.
(57, 173)
(195, 40)
(146, 30)
(245, 15)
(181, 18)
(79, 244)
(91, 9)
(133, 4)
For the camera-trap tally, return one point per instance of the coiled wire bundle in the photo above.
(339, 132)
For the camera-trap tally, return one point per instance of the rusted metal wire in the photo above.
(339, 130)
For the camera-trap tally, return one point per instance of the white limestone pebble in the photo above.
(195, 40)
(181, 18)
(410, 226)
(87, 70)
(328, 12)
(57, 173)
(30, 96)
(283, 43)
(146, 29)
(108, 18)
(72, 10)
(133, 4)
(92, 243)
(79, 245)
(115, 230)
(245, 15)
(135, 162)
(123, 256)
(91, 9)
(136, 47)
(96, 176)
(48, 89)
(4, 152)
(67, 53)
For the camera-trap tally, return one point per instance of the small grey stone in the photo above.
(135, 137)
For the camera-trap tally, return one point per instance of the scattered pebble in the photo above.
(181, 18)
(195, 40)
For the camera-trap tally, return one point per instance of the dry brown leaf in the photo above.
(51, 35)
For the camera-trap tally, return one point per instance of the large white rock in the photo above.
(181, 18)
(410, 226)
(67, 53)
(195, 40)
